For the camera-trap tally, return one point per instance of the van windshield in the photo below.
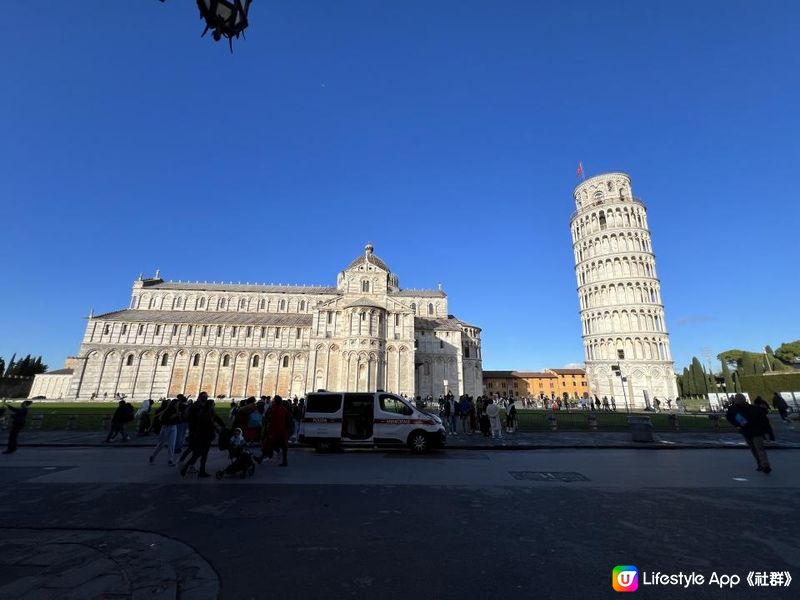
(393, 404)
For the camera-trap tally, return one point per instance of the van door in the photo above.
(323, 417)
(392, 420)
(358, 413)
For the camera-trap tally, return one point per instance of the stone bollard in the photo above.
(552, 421)
(106, 423)
(715, 420)
(673, 422)
(72, 420)
(592, 420)
(641, 428)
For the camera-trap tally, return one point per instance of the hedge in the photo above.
(766, 385)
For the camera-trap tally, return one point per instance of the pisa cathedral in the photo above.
(622, 316)
(364, 334)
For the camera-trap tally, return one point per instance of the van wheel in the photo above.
(418, 442)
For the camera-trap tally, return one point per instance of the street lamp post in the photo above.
(624, 380)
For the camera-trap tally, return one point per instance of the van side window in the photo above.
(323, 403)
(393, 405)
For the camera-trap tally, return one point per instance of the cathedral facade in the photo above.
(239, 340)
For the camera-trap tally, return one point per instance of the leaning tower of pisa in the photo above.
(622, 316)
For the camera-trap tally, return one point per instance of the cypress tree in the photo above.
(726, 373)
(688, 387)
(10, 369)
(748, 365)
(699, 377)
(2, 366)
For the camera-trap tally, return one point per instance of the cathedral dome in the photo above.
(369, 257)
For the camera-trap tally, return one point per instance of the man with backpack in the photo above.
(753, 424)
(123, 414)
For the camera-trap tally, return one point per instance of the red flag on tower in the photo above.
(579, 170)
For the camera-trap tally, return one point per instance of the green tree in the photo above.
(748, 365)
(726, 374)
(10, 367)
(699, 377)
(788, 351)
(688, 387)
(2, 366)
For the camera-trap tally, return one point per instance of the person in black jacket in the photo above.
(753, 424)
(123, 414)
(19, 415)
(204, 430)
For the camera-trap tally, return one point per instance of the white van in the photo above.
(369, 419)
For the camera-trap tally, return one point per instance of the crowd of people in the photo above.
(187, 429)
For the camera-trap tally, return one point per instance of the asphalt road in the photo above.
(452, 525)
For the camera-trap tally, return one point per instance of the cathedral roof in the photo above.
(448, 324)
(58, 372)
(419, 293)
(364, 302)
(369, 257)
(208, 317)
(238, 287)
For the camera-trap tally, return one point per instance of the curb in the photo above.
(632, 446)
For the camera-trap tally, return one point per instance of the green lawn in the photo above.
(89, 416)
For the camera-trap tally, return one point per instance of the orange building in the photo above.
(552, 383)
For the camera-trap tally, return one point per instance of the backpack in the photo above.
(255, 420)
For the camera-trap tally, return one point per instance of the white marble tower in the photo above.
(622, 316)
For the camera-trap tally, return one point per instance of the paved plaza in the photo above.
(459, 523)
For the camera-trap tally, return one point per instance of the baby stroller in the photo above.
(241, 460)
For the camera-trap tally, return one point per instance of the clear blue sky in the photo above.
(445, 132)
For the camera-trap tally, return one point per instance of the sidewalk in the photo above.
(787, 438)
(85, 564)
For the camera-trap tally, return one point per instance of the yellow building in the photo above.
(552, 383)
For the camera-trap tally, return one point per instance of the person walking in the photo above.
(613, 404)
(779, 404)
(203, 430)
(280, 425)
(184, 412)
(143, 414)
(18, 417)
(169, 419)
(123, 414)
(752, 423)
(605, 403)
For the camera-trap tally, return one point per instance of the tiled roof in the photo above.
(437, 324)
(209, 317)
(569, 371)
(238, 287)
(59, 372)
(494, 374)
(520, 374)
(419, 293)
(364, 302)
(534, 375)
